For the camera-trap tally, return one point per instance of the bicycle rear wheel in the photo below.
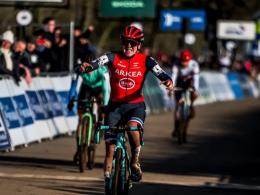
(82, 158)
(91, 156)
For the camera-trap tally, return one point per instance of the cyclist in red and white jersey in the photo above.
(185, 74)
(128, 69)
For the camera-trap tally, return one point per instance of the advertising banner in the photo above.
(25, 114)
(39, 89)
(127, 8)
(219, 85)
(235, 84)
(61, 86)
(53, 106)
(5, 142)
(205, 93)
(236, 30)
(11, 117)
(248, 87)
(172, 20)
(38, 111)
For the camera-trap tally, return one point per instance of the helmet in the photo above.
(185, 55)
(132, 33)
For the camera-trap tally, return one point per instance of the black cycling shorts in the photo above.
(87, 92)
(121, 114)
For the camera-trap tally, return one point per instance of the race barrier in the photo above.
(32, 113)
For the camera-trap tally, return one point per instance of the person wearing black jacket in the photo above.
(8, 63)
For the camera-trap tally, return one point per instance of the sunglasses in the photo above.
(126, 42)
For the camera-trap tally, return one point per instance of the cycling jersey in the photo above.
(127, 75)
(99, 78)
(185, 76)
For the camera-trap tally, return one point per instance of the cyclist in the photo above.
(128, 69)
(185, 74)
(95, 84)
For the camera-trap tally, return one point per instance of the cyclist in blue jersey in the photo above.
(95, 84)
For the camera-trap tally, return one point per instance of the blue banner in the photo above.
(244, 83)
(45, 104)
(5, 142)
(23, 110)
(38, 111)
(63, 97)
(235, 85)
(9, 113)
(173, 19)
(54, 102)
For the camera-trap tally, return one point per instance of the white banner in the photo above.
(5, 142)
(53, 106)
(219, 85)
(236, 30)
(37, 109)
(22, 106)
(10, 115)
(61, 86)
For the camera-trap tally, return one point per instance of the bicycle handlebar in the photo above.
(182, 89)
(119, 128)
(87, 101)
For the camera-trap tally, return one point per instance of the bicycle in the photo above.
(120, 181)
(183, 113)
(85, 136)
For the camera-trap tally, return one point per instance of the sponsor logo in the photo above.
(157, 69)
(119, 64)
(240, 30)
(102, 60)
(126, 83)
(128, 73)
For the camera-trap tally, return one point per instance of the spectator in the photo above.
(49, 26)
(83, 50)
(7, 62)
(60, 48)
(48, 41)
(22, 58)
(37, 64)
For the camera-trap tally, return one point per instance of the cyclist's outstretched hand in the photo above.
(85, 67)
(168, 84)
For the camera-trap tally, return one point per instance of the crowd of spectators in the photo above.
(47, 50)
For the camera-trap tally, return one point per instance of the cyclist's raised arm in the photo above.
(175, 71)
(156, 69)
(103, 60)
(106, 89)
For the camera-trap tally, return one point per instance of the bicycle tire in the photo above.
(82, 158)
(91, 156)
(83, 146)
(116, 177)
(181, 124)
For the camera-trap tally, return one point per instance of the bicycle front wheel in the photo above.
(118, 187)
(82, 144)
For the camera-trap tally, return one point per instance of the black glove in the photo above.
(70, 105)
